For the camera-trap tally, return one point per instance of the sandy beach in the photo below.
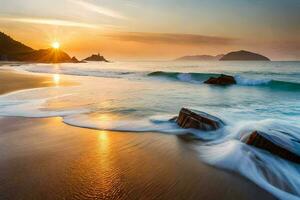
(43, 158)
(13, 81)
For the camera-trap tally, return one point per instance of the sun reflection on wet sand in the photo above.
(105, 163)
(103, 138)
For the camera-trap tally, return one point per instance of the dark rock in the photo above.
(198, 120)
(3, 58)
(221, 80)
(258, 140)
(243, 55)
(96, 57)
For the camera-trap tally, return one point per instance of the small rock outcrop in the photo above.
(221, 80)
(96, 57)
(244, 55)
(198, 120)
(258, 140)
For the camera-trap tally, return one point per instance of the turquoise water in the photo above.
(143, 96)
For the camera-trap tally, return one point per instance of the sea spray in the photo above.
(11, 105)
(276, 175)
(247, 78)
(251, 82)
(241, 80)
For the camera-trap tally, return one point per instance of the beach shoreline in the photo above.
(47, 159)
(11, 81)
(43, 158)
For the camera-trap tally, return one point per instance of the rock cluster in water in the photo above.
(205, 122)
(96, 57)
(221, 80)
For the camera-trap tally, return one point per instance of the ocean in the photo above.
(144, 96)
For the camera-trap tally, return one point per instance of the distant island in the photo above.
(96, 57)
(12, 50)
(200, 58)
(243, 55)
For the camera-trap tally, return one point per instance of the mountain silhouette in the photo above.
(12, 50)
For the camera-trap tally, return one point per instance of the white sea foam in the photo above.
(186, 77)
(251, 82)
(77, 70)
(19, 104)
(276, 175)
(132, 125)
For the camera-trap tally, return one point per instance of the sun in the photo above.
(55, 45)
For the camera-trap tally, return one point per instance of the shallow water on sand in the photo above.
(51, 160)
(142, 97)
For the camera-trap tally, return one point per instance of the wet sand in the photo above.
(11, 81)
(47, 159)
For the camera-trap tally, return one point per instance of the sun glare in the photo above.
(55, 45)
(56, 79)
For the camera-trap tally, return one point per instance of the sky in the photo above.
(156, 29)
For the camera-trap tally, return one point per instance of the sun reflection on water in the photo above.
(56, 79)
(104, 117)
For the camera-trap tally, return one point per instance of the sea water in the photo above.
(144, 96)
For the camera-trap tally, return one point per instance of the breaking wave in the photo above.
(192, 77)
(241, 80)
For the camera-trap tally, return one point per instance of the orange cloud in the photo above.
(170, 38)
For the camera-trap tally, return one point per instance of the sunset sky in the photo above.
(156, 29)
